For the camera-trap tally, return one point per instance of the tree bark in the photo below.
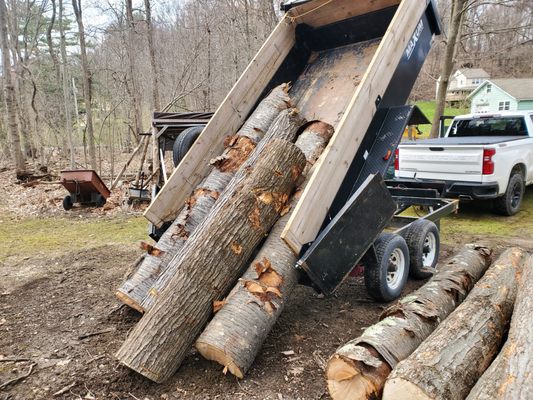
(9, 96)
(456, 22)
(151, 49)
(137, 286)
(509, 375)
(359, 368)
(87, 91)
(455, 355)
(212, 260)
(135, 96)
(235, 335)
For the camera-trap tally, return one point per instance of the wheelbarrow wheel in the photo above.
(423, 241)
(386, 273)
(100, 201)
(183, 143)
(67, 203)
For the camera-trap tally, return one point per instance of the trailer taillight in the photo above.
(488, 164)
(397, 160)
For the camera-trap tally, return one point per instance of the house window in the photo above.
(489, 88)
(504, 105)
(476, 81)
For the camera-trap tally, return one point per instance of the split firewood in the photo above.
(359, 368)
(285, 127)
(242, 322)
(212, 260)
(451, 360)
(510, 376)
(238, 149)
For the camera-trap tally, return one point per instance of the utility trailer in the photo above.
(352, 64)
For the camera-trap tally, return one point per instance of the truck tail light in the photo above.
(488, 164)
(397, 160)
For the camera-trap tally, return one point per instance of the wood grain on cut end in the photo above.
(400, 389)
(124, 298)
(214, 353)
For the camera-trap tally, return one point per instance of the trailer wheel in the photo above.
(423, 242)
(183, 143)
(67, 203)
(509, 204)
(386, 275)
(100, 201)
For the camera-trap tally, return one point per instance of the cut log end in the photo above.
(401, 389)
(214, 353)
(345, 381)
(124, 298)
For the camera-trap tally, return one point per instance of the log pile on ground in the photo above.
(358, 369)
(451, 360)
(243, 320)
(147, 271)
(510, 376)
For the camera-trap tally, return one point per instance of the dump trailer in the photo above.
(351, 64)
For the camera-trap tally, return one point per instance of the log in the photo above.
(285, 127)
(212, 260)
(237, 149)
(235, 335)
(510, 374)
(358, 369)
(450, 361)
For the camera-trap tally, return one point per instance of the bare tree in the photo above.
(87, 91)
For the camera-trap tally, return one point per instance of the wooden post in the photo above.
(510, 374)
(235, 335)
(238, 148)
(212, 259)
(450, 361)
(359, 368)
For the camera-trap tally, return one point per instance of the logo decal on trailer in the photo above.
(414, 40)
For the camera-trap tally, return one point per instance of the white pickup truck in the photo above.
(481, 156)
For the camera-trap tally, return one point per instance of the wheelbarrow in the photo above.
(85, 187)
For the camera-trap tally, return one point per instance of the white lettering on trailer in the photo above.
(414, 40)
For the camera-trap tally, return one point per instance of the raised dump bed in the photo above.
(350, 63)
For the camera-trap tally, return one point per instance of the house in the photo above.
(463, 82)
(502, 94)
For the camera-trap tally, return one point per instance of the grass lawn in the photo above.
(428, 108)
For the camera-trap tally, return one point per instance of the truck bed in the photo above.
(467, 140)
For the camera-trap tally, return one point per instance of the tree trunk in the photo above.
(151, 49)
(87, 91)
(359, 368)
(136, 288)
(455, 355)
(509, 375)
(65, 86)
(130, 48)
(9, 95)
(212, 260)
(235, 335)
(448, 63)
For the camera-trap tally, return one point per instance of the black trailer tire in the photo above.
(100, 201)
(183, 143)
(423, 242)
(511, 201)
(67, 203)
(386, 275)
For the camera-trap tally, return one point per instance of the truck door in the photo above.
(530, 150)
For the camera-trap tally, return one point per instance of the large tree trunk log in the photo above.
(450, 361)
(358, 369)
(510, 374)
(212, 260)
(235, 335)
(284, 127)
(238, 148)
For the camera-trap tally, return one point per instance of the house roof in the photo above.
(520, 89)
(474, 73)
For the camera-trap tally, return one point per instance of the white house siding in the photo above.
(489, 102)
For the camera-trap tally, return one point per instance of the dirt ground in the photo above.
(60, 324)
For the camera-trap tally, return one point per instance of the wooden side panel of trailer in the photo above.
(229, 116)
(312, 209)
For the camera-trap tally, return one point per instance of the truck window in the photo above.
(497, 126)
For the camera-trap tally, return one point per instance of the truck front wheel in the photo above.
(509, 204)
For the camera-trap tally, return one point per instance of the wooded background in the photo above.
(86, 75)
